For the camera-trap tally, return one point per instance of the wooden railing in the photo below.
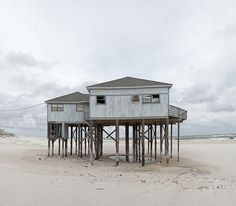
(177, 112)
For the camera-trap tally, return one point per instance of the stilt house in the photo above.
(142, 105)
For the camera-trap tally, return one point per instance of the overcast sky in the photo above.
(52, 47)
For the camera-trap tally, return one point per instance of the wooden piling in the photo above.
(178, 132)
(66, 147)
(167, 141)
(52, 148)
(91, 144)
(155, 136)
(160, 143)
(143, 145)
(127, 142)
(63, 148)
(117, 142)
(71, 140)
(48, 147)
(134, 143)
(59, 146)
(171, 139)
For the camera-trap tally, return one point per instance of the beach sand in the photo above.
(205, 175)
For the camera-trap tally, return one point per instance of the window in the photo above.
(154, 98)
(79, 108)
(135, 98)
(101, 100)
(147, 98)
(57, 107)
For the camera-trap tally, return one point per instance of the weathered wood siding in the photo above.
(68, 115)
(119, 104)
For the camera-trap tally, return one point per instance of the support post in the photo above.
(76, 140)
(71, 139)
(117, 142)
(59, 146)
(143, 145)
(155, 133)
(91, 144)
(79, 135)
(127, 142)
(49, 130)
(101, 151)
(52, 148)
(151, 142)
(134, 143)
(178, 142)
(167, 141)
(161, 142)
(171, 139)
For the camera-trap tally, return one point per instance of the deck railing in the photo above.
(177, 112)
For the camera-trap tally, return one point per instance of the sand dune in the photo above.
(204, 176)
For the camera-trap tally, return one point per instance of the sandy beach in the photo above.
(205, 175)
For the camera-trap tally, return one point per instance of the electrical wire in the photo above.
(21, 109)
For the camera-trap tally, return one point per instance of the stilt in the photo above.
(178, 142)
(71, 140)
(134, 143)
(81, 142)
(63, 147)
(139, 144)
(66, 147)
(76, 140)
(101, 152)
(79, 135)
(167, 140)
(143, 149)
(155, 136)
(97, 142)
(52, 148)
(160, 142)
(59, 146)
(127, 142)
(151, 140)
(148, 141)
(171, 139)
(117, 142)
(48, 147)
(85, 141)
(91, 144)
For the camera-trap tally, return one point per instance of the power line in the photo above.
(21, 109)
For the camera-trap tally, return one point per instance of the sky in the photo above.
(49, 48)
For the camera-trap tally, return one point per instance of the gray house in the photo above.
(142, 105)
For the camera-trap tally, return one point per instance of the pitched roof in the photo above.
(71, 98)
(129, 82)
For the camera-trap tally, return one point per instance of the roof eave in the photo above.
(131, 87)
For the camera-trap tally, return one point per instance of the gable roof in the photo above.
(75, 97)
(128, 82)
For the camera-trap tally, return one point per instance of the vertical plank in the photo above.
(71, 140)
(117, 142)
(155, 136)
(151, 142)
(143, 145)
(160, 142)
(167, 141)
(79, 135)
(178, 142)
(171, 139)
(91, 144)
(59, 146)
(127, 142)
(101, 152)
(134, 142)
(49, 131)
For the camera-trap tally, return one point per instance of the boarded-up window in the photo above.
(154, 98)
(101, 100)
(147, 98)
(57, 107)
(135, 98)
(79, 108)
